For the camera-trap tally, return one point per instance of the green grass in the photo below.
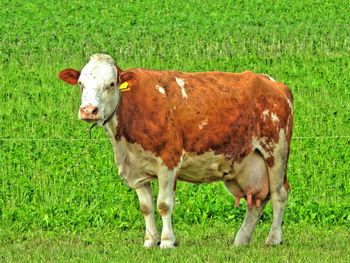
(56, 188)
(213, 243)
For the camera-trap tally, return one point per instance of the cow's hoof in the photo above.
(273, 241)
(164, 244)
(150, 243)
(239, 243)
(241, 240)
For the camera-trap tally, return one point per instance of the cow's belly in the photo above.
(206, 167)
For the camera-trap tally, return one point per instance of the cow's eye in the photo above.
(81, 85)
(112, 85)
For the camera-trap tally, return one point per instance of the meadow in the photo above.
(60, 194)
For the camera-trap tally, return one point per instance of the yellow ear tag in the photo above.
(124, 86)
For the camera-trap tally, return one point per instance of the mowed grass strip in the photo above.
(198, 243)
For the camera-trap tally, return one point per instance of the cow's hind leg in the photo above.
(165, 202)
(279, 196)
(147, 208)
(278, 191)
(251, 218)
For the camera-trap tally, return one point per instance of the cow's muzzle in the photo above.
(89, 113)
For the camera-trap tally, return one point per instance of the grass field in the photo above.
(59, 202)
(197, 244)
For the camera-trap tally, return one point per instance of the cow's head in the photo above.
(99, 82)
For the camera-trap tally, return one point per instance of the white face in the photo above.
(99, 85)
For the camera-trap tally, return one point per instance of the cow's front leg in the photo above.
(165, 204)
(147, 208)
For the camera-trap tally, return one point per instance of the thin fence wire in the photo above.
(106, 139)
(321, 137)
(51, 139)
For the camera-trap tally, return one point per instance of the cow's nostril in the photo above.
(94, 111)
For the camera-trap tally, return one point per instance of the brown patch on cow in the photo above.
(69, 76)
(163, 208)
(231, 102)
(144, 209)
(175, 182)
(146, 118)
(126, 76)
(270, 161)
(286, 184)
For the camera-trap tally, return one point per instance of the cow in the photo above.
(194, 127)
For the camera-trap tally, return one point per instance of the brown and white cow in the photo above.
(194, 127)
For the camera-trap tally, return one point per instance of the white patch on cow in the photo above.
(265, 114)
(111, 130)
(288, 122)
(270, 78)
(264, 145)
(181, 84)
(289, 103)
(95, 79)
(290, 114)
(280, 150)
(203, 123)
(135, 165)
(274, 117)
(206, 167)
(161, 90)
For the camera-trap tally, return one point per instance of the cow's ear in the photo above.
(127, 76)
(69, 76)
(119, 70)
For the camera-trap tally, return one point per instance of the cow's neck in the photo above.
(111, 129)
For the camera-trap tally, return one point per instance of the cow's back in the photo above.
(169, 112)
